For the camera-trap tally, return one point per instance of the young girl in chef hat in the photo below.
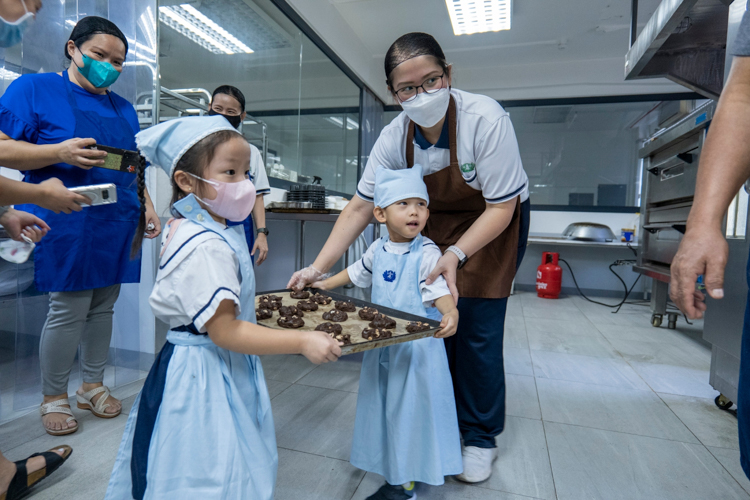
(406, 428)
(202, 426)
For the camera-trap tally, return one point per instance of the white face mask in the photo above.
(427, 109)
(16, 252)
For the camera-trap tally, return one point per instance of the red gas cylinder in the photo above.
(549, 276)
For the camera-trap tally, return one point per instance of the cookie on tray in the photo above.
(382, 321)
(335, 315)
(321, 299)
(261, 314)
(330, 328)
(368, 313)
(346, 306)
(266, 303)
(300, 294)
(344, 338)
(290, 311)
(417, 326)
(307, 305)
(290, 322)
(376, 334)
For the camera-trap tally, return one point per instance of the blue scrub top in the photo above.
(35, 109)
(87, 249)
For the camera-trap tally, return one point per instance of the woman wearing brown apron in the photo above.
(479, 216)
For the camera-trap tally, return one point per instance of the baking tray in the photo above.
(354, 325)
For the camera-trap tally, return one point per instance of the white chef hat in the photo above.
(163, 145)
(396, 185)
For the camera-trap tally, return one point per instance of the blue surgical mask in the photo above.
(99, 73)
(12, 33)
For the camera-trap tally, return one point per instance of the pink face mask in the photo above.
(234, 200)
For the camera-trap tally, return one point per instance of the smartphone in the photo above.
(100, 194)
(122, 160)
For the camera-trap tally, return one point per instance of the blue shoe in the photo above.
(390, 492)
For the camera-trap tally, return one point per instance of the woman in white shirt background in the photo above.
(479, 205)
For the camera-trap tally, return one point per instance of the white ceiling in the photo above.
(556, 48)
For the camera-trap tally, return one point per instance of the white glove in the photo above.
(304, 277)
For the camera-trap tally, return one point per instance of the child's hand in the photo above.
(448, 325)
(319, 347)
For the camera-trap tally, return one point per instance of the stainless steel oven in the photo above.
(670, 159)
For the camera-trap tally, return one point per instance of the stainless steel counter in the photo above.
(558, 239)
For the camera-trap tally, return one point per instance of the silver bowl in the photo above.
(589, 231)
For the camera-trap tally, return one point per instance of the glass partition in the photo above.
(307, 105)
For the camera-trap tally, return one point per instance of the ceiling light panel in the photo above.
(193, 24)
(479, 16)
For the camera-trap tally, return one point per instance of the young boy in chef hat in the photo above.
(202, 427)
(406, 427)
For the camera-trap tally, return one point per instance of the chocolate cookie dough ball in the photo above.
(301, 294)
(307, 305)
(290, 311)
(344, 338)
(368, 313)
(321, 299)
(335, 315)
(382, 321)
(346, 306)
(263, 314)
(376, 334)
(417, 326)
(290, 322)
(329, 328)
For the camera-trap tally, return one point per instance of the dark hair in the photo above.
(409, 46)
(89, 26)
(231, 92)
(194, 161)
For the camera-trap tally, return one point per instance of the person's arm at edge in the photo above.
(261, 241)
(724, 166)
(22, 155)
(353, 220)
(447, 307)
(339, 280)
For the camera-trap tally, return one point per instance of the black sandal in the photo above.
(23, 481)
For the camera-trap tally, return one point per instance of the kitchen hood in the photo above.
(684, 41)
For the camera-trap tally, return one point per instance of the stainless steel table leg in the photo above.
(659, 295)
(375, 231)
(301, 244)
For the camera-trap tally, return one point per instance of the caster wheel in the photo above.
(672, 322)
(656, 320)
(722, 402)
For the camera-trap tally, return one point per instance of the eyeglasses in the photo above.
(429, 86)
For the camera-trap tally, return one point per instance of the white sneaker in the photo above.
(477, 464)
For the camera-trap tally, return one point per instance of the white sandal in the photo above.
(84, 402)
(56, 407)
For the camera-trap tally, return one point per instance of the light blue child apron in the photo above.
(202, 425)
(406, 427)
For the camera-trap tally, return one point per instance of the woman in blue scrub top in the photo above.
(46, 122)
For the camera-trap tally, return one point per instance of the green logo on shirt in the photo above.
(468, 167)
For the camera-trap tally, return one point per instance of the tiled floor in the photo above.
(599, 406)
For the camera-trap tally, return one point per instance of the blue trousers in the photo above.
(743, 390)
(475, 358)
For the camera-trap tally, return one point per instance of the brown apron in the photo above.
(454, 207)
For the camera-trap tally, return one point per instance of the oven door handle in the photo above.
(674, 161)
(677, 226)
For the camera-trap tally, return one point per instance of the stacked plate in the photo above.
(313, 193)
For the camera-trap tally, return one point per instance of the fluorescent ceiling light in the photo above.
(479, 16)
(351, 124)
(193, 24)
(339, 122)
(336, 121)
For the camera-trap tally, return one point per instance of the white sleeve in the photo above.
(196, 287)
(430, 255)
(360, 273)
(386, 152)
(499, 168)
(258, 172)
